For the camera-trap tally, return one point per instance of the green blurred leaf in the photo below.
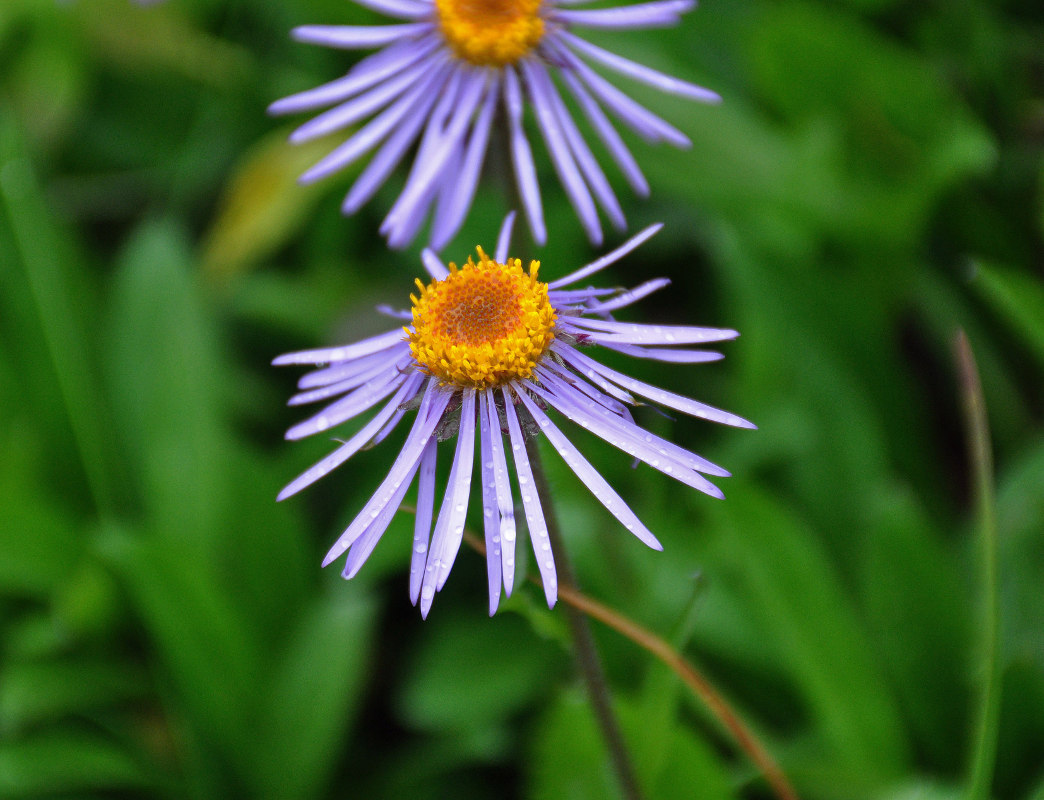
(164, 358)
(1019, 297)
(786, 582)
(67, 762)
(31, 693)
(315, 689)
(917, 605)
(569, 757)
(203, 646)
(263, 205)
(469, 672)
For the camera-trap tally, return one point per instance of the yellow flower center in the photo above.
(484, 324)
(491, 32)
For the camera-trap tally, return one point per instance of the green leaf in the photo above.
(312, 696)
(469, 672)
(569, 757)
(786, 583)
(31, 693)
(1018, 297)
(67, 762)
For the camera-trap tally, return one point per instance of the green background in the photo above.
(871, 183)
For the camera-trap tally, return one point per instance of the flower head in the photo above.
(440, 76)
(489, 350)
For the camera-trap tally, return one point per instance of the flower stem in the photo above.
(977, 432)
(586, 651)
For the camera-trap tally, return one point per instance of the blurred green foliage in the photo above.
(872, 182)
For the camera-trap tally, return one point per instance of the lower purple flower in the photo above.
(489, 349)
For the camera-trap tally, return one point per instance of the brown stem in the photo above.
(586, 650)
(718, 706)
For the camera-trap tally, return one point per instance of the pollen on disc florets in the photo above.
(483, 325)
(491, 32)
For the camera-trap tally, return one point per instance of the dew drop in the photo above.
(421, 548)
(428, 592)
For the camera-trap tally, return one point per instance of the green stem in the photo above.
(977, 432)
(586, 650)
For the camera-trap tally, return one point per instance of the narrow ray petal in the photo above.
(355, 37)
(522, 159)
(504, 238)
(371, 70)
(453, 509)
(422, 522)
(428, 417)
(356, 443)
(490, 509)
(325, 355)
(640, 333)
(665, 398)
(609, 258)
(635, 17)
(349, 406)
(531, 501)
(561, 157)
(641, 73)
(600, 488)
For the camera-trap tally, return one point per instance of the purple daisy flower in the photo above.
(488, 350)
(440, 77)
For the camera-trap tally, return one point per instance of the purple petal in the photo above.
(668, 356)
(504, 238)
(586, 160)
(339, 370)
(522, 159)
(449, 527)
(505, 503)
(646, 75)
(388, 157)
(642, 15)
(355, 37)
(490, 509)
(576, 297)
(394, 313)
(359, 107)
(609, 258)
(428, 417)
(371, 70)
(363, 546)
(402, 9)
(607, 133)
(324, 392)
(433, 264)
(325, 355)
(638, 118)
(356, 443)
(531, 502)
(633, 440)
(351, 405)
(432, 167)
(422, 522)
(637, 333)
(628, 297)
(606, 401)
(600, 488)
(570, 355)
(450, 217)
(588, 366)
(561, 158)
(370, 135)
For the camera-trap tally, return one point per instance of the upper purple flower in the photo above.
(440, 77)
